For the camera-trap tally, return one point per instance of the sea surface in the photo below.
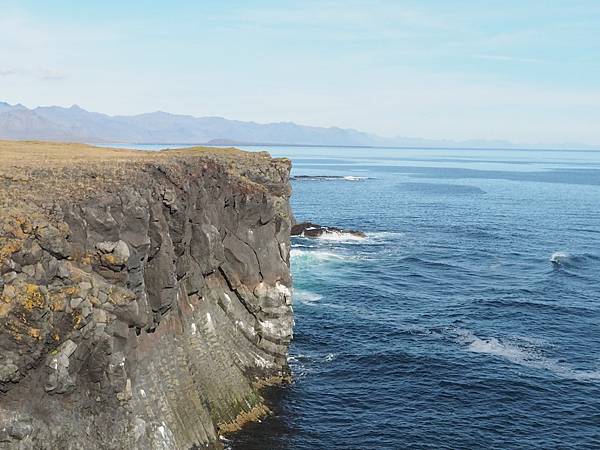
(468, 318)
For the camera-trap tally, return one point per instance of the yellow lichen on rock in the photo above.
(18, 226)
(33, 297)
(256, 413)
(70, 291)
(77, 319)
(86, 259)
(110, 259)
(120, 297)
(15, 329)
(8, 247)
(5, 309)
(57, 302)
(35, 333)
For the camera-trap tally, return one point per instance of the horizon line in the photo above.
(578, 146)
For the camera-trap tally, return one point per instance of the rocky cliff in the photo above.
(144, 296)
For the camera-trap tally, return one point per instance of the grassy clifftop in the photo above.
(33, 173)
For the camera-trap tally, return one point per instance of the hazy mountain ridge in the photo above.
(76, 124)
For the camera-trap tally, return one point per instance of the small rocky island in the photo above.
(309, 229)
(145, 297)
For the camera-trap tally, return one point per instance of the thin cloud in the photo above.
(51, 74)
(510, 58)
(46, 73)
(7, 72)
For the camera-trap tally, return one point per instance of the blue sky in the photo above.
(526, 71)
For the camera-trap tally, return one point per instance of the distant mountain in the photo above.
(75, 124)
(21, 123)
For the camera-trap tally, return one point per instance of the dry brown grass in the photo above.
(21, 154)
(34, 175)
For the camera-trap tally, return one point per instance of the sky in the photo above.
(527, 71)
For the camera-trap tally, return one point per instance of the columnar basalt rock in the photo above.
(144, 297)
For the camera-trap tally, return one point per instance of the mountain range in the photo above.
(75, 124)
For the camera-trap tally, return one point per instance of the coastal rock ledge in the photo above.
(145, 297)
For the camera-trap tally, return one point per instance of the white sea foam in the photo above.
(493, 346)
(383, 235)
(315, 255)
(523, 355)
(306, 297)
(349, 238)
(330, 357)
(340, 236)
(354, 178)
(300, 365)
(560, 257)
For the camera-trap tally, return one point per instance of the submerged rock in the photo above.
(144, 296)
(309, 229)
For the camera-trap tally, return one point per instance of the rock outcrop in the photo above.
(309, 229)
(144, 296)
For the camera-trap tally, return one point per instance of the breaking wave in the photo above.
(340, 236)
(526, 355)
(376, 237)
(315, 255)
(560, 257)
(306, 297)
(569, 260)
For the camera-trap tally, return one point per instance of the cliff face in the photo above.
(144, 297)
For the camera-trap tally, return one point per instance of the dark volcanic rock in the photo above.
(144, 297)
(308, 229)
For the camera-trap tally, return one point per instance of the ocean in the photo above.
(469, 317)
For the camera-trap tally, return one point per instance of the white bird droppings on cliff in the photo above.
(262, 362)
(209, 322)
(283, 289)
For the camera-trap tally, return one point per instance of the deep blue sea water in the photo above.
(468, 318)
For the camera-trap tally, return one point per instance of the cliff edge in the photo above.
(144, 296)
